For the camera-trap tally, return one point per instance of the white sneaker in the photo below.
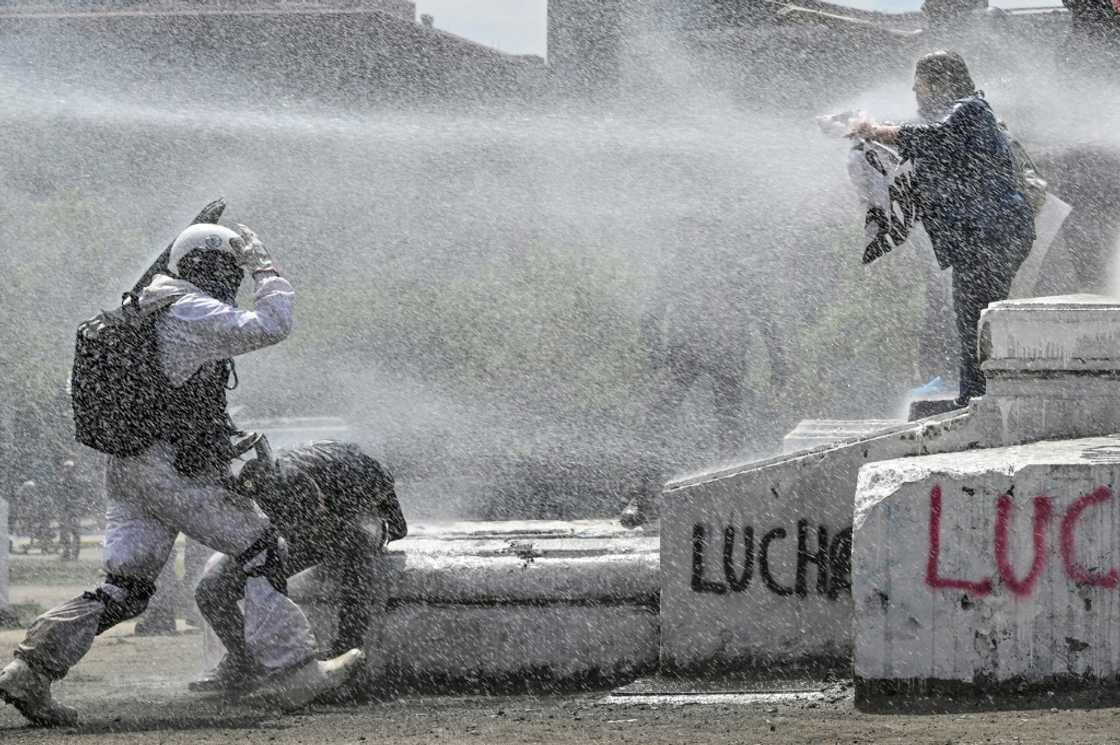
(30, 693)
(296, 688)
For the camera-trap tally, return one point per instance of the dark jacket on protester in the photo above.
(965, 181)
(354, 489)
(327, 524)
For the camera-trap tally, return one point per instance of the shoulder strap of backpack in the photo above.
(133, 312)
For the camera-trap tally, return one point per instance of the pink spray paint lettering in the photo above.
(933, 566)
(1004, 507)
(1076, 571)
(1003, 549)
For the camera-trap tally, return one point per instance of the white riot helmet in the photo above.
(204, 237)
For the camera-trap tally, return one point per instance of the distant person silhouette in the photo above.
(68, 504)
(708, 312)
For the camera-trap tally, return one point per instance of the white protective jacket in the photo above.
(198, 329)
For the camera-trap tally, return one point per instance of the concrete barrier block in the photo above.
(989, 568)
(451, 644)
(503, 603)
(1071, 329)
(1053, 368)
(608, 578)
(754, 560)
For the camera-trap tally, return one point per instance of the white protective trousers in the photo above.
(150, 503)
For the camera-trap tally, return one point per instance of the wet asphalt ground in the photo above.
(133, 689)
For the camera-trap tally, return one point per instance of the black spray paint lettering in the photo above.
(736, 580)
(764, 562)
(830, 559)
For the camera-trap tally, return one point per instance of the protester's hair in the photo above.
(946, 74)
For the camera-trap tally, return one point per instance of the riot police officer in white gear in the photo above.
(178, 485)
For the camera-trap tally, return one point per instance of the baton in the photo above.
(211, 213)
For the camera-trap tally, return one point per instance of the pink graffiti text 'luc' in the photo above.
(1043, 516)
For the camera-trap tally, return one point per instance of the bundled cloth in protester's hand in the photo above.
(883, 183)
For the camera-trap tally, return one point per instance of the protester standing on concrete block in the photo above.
(336, 507)
(149, 387)
(966, 182)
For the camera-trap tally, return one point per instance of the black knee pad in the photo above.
(273, 568)
(137, 592)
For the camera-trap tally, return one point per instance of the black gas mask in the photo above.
(214, 272)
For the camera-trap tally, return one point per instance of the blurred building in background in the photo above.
(401, 8)
(787, 51)
(351, 52)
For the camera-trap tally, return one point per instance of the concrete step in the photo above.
(499, 605)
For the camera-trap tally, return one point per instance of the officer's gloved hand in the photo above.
(254, 256)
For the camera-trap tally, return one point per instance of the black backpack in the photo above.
(116, 384)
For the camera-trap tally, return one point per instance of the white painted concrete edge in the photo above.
(946, 431)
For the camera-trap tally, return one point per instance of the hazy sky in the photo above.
(517, 26)
(521, 26)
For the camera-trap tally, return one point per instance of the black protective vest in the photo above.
(196, 421)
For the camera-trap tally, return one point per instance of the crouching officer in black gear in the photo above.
(336, 507)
